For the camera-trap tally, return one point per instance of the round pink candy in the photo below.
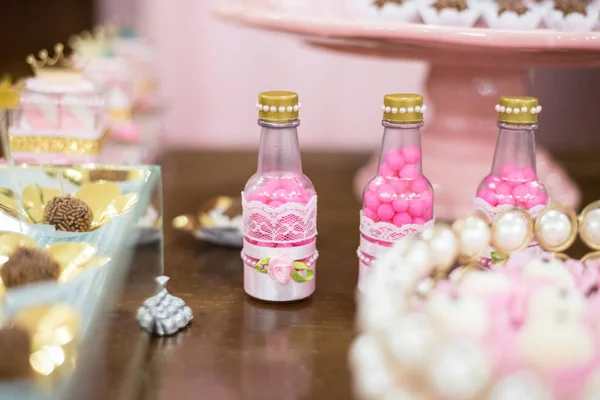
(376, 183)
(504, 189)
(258, 197)
(295, 199)
(492, 182)
(385, 212)
(412, 154)
(370, 214)
(280, 195)
(372, 201)
(416, 207)
(534, 187)
(488, 196)
(507, 169)
(385, 170)
(419, 221)
(426, 196)
(528, 173)
(272, 185)
(400, 204)
(291, 185)
(399, 185)
(419, 184)
(401, 219)
(386, 193)
(409, 171)
(515, 177)
(275, 203)
(520, 191)
(536, 201)
(394, 159)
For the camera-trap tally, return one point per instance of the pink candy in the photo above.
(515, 187)
(278, 191)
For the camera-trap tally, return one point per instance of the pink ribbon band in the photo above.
(295, 252)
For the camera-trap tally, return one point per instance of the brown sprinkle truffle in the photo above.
(571, 7)
(15, 347)
(28, 265)
(68, 213)
(515, 6)
(108, 175)
(382, 3)
(458, 5)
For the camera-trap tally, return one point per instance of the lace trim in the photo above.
(286, 223)
(491, 212)
(389, 232)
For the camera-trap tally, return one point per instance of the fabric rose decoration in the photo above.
(280, 269)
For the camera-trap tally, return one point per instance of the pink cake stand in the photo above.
(470, 69)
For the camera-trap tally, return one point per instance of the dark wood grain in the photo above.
(238, 348)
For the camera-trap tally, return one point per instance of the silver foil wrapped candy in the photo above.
(164, 314)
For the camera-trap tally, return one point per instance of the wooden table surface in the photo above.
(236, 347)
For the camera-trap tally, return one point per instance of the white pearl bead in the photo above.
(444, 245)
(281, 109)
(394, 110)
(498, 107)
(483, 282)
(591, 226)
(523, 109)
(555, 228)
(474, 236)
(418, 258)
(521, 385)
(418, 109)
(539, 109)
(502, 109)
(423, 108)
(563, 300)
(273, 109)
(462, 316)
(511, 231)
(411, 339)
(259, 106)
(402, 110)
(410, 109)
(266, 108)
(534, 110)
(373, 384)
(460, 370)
(508, 110)
(296, 108)
(299, 106)
(388, 109)
(516, 111)
(290, 109)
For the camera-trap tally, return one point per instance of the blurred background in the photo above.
(212, 71)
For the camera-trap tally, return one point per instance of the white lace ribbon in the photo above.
(289, 222)
(388, 232)
(295, 253)
(492, 212)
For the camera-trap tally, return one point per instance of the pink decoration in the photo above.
(385, 170)
(399, 185)
(507, 169)
(504, 189)
(488, 196)
(395, 159)
(385, 212)
(386, 193)
(492, 182)
(506, 200)
(419, 184)
(416, 207)
(401, 219)
(515, 177)
(412, 154)
(280, 269)
(528, 173)
(275, 204)
(295, 199)
(410, 171)
(400, 204)
(367, 212)
(280, 195)
(419, 221)
(520, 191)
(257, 197)
(371, 201)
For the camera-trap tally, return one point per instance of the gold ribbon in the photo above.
(57, 145)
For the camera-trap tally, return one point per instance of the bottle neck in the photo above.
(279, 151)
(515, 147)
(398, 137)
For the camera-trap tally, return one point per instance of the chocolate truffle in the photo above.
(15, 347)
(571, 6)
(515, 6)
(108, 175)
(29, 265)
(458, 5)
(68, 214)
(382, 3)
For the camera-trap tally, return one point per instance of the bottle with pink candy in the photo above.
(398, 201)
(513, 181)
(279, 209)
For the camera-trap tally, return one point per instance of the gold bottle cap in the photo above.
(403, 108)
(518, 110)
(278, 106)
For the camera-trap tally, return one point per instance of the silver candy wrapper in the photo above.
(164, 314)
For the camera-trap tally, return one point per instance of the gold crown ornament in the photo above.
(518, 110)
(57, 69)
(403, 108)
(96, 44)
(278, 106)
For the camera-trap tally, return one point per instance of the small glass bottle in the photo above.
(398, 201)
(279, 209)
(513, 180)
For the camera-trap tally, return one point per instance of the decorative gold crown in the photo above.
(57, 69)
(93, 45)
